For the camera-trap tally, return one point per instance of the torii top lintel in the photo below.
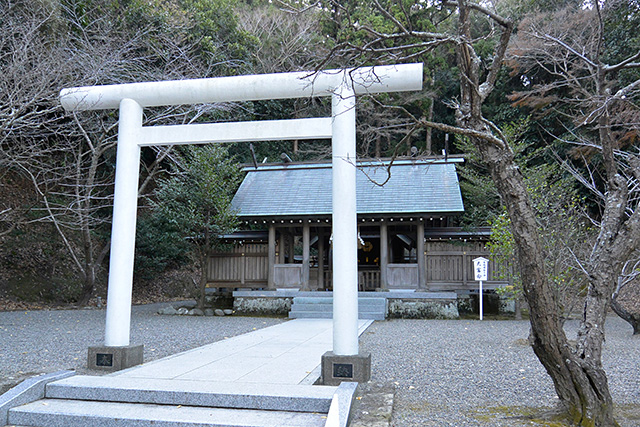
(378, 79)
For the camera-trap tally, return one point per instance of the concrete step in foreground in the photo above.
(116, 401)
(279, 397)
(312, 315)
(77, 413)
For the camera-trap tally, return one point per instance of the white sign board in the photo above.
(481, 273)
(481, 269)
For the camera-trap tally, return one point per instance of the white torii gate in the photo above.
(341, 85)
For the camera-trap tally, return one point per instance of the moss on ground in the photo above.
(626, 415)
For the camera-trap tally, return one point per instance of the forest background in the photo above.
(57, 167)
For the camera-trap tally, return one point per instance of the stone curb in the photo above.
(373, 406)
(340, 410)
(28, 391)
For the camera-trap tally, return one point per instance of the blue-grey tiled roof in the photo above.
(415, 187)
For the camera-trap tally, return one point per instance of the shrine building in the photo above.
(407, 240)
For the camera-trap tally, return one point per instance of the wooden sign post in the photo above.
(481, 273)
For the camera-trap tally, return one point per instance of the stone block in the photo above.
(168, 311)
(336, 368)
(186, 304)
(423, 309)
(114, 358)
(262, 305)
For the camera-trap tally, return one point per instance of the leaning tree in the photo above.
(581, 64)
(398, 31)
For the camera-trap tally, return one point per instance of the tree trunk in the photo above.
(578, 376)
(631, 318)
(428, 142)
(579, 379)
(88, 286)
(204, 259)
(202, 291)
(518, 309)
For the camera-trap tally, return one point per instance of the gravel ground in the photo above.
(35, 342)
(472, 373)
(446, 373)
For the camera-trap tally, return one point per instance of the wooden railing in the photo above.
(243, 266)
(368, 280)
(448, 267)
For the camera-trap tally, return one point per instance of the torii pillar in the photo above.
(345, 362)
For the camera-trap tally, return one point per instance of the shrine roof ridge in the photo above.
(360, 163)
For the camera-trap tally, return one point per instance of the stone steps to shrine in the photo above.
(322, 308)
(114, 401)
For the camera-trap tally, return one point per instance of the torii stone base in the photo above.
(353, 368)
(114, 358)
